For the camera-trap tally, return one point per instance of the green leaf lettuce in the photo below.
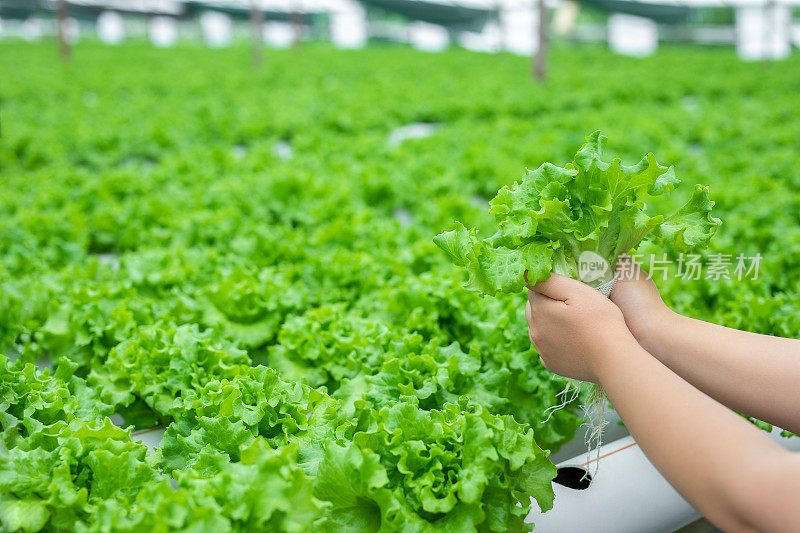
(553, 215)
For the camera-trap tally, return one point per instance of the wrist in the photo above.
(651, 334)
(616, 356)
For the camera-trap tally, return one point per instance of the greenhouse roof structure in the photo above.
(451, 14)
(176, 8)
(268, 6)
(669, 13)
(22, 8)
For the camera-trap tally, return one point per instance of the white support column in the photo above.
(163, 31)
(110, 27)
(349, 25)
(763, 32)
(32, 29)
(217, 29)
(428, 37)
(632, 36)
(490, 39)
(519, 22)
(278, 34)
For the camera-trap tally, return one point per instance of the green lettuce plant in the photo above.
(554, 215)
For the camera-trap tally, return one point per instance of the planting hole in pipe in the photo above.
(573, 477)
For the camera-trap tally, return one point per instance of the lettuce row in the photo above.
(216, 420)
(265, 491)
(157, 363)
(241, 432)
(448, 477)
(60, 455)
(456, 469)
(355, 358)
(554, 214)
(61, 474)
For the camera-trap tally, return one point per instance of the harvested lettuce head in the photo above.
(577, 221)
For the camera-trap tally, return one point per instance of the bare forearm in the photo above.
(713, 457)
(728, 469)
(754, 374)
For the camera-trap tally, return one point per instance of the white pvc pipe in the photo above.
(612, 430)
(628, 495)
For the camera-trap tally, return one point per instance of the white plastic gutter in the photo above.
(628, 495)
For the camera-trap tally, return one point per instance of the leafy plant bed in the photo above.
(290, 315)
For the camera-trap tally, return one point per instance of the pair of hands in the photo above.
(578, 331)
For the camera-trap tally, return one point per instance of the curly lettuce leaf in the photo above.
(553, 215)
(266, 491)
(455, 469)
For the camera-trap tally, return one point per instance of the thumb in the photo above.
(559, 287)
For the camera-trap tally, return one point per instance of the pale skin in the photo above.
(674, 380)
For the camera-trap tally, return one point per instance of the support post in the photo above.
(61, 22)
(256, 26)
(297, 27)
(540, 69)
(296, 20)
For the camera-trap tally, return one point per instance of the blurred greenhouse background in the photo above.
(759, 29)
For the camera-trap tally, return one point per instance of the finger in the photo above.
(541, 305)
(558, 287)
(525, 277)
(536, 299)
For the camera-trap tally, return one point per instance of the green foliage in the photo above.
(60, 457)
(411, 470)
(290, 322)
(554, 215)
(265, 491)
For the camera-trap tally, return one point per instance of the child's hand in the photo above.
(576, 329)
(637, 297)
